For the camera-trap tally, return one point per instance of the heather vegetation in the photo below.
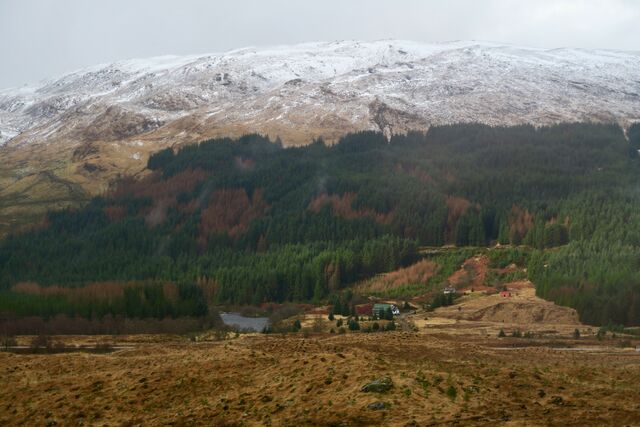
(246, 222)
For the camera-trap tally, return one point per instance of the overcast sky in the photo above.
(46, 38)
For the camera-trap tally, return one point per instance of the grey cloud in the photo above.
(45, 38)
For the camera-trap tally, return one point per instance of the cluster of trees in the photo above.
(150, 300)
(598, 273)
(353, 324)
(303, 272)
(441, 300)
(61, 324)
(265, 223)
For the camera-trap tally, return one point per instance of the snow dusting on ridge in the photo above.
(349, 85)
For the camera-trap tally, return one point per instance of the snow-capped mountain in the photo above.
(325, 89)
(91, 125)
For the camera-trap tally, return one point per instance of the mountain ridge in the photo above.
(96, 124)
(218, 78)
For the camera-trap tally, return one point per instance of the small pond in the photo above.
(241, 322)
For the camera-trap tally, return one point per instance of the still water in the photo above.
(243, 323)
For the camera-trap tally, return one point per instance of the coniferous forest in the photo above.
(247, 221)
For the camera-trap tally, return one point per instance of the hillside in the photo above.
(64, 140)
(247, 222)
(521, 307)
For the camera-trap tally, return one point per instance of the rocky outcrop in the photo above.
(380, 385)
(117, 124)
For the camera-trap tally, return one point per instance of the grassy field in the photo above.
(444, 368)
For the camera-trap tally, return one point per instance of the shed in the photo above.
(380, 309)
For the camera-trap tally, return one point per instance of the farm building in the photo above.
(364, 309)
(449, 290)
(379, 310)
(505, 294)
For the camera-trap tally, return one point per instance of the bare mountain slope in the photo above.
(92, 125)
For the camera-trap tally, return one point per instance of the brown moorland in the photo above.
(439, 378)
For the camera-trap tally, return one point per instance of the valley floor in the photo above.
(443, 374)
